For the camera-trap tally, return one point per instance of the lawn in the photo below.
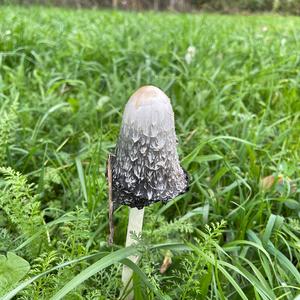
(65, 77)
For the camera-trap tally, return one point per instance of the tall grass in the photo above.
(65, 77)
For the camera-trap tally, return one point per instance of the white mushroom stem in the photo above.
(135, 225)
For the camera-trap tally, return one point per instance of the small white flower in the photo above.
(283, 42)
(101, 102)
(7, 32)
(264, 29)
(190, 54)
(191, 50)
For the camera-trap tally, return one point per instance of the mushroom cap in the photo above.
(145, 167)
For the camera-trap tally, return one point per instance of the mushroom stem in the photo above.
(135, 225)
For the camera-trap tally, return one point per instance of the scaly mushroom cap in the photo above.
(145, 168)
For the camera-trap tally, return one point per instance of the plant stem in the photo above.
(135, 225)
(110, 201)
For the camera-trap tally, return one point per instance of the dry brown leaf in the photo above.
(166, 263)
(267, 182)
(279, 181)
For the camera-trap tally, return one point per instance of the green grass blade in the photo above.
(24, 284)
(104, 262)
(143, 277)
(81, 178)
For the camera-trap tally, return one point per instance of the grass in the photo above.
(65, 77)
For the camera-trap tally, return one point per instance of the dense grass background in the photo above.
(65, 77)
(223, 6)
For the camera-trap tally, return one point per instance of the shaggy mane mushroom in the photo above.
(145, 167)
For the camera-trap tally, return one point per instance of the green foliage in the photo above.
(12, 269)
(21, 208)
(65, 77)
(8, 125)
(225, 6)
